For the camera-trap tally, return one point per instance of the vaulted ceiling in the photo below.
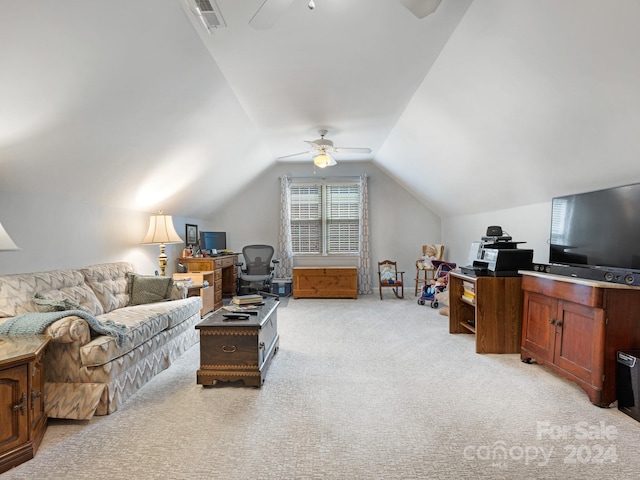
(135, 104)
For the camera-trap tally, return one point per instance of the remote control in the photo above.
(235, 316)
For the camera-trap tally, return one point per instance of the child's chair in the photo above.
(389, 276)
(424, 268)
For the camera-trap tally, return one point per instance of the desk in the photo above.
(225, 274)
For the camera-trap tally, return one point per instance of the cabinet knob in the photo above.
(230, 349)
(552, 321)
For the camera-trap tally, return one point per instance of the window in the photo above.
(325, 218)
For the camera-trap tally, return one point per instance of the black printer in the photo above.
(497, 256)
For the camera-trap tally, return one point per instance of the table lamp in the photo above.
(161, 231)
(5, 241)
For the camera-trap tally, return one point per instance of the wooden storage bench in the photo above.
(325, 282)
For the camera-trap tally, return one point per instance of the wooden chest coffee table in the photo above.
(233, 350)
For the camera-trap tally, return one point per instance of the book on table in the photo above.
(247, 299)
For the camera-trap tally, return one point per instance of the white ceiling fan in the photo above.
(270, 10)
(322, 150)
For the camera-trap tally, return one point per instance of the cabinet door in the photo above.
(538, 331)
(14, 427)
(579, 347)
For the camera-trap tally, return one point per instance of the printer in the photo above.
(497, 256)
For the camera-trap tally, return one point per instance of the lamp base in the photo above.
(162, 260)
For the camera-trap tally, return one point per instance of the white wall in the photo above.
(54, 234)
(399, 223)
(528, 224)
(57, 234)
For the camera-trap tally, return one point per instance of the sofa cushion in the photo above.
(143, 322)
(17, 292)
(148, 289)
(109, 283)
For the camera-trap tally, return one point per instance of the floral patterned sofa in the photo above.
(89, 373)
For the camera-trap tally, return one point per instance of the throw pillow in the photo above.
(145, 289)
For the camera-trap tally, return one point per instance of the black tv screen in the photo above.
(213, 241)
(600, 228)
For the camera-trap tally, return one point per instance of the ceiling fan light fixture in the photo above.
(323, 160)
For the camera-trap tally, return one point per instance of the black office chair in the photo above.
(256, 276)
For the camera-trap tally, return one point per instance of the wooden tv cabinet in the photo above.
(575, 327)
(325, 282)
(494, 316)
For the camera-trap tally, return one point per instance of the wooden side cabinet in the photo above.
(494, 314)
(207, 294)
(22, 417)
(225, 274)
(575, 327)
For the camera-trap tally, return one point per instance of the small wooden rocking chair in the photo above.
(389, 276)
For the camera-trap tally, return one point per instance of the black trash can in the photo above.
(628, 382)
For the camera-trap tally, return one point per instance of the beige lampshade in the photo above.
(161, 230)
(5, 241)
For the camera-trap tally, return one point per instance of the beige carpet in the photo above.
(363, 389)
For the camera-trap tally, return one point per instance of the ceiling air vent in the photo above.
(210, 14)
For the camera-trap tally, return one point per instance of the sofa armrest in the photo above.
(68, 330)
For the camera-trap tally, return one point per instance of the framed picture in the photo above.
(191, 234)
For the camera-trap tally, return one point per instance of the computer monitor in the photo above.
(210, 241)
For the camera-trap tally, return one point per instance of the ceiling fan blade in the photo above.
(421, 8)
(352, 150)
(268, 13)
(294, 154)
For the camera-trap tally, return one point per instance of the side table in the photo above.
(22, 417)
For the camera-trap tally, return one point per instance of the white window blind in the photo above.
(306, 219)
(342, 208)
(325, 218)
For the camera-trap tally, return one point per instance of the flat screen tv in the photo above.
(213, 241)
(597, 229)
